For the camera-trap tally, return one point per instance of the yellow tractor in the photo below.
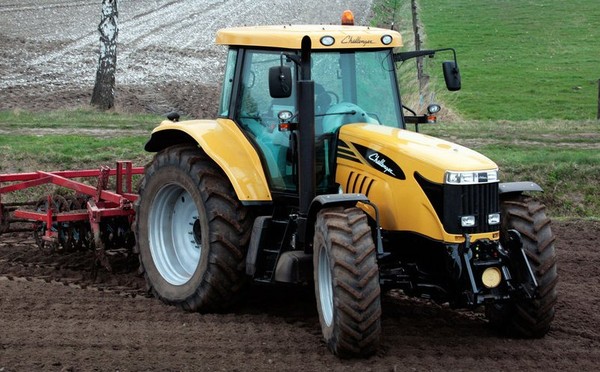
(309, 175)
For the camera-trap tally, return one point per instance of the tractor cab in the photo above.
(354, 82)
(354, 75)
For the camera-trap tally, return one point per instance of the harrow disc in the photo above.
(57, 204)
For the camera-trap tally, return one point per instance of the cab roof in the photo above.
(290, 36)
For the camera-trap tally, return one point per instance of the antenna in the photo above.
(394, 15)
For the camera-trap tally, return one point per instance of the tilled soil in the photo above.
(55, 317)
(166, 56)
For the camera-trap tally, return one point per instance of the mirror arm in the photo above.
(453, 53)
(403, 56)
(290, 57)
(416, 119)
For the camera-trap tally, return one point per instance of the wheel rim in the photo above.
(175, 234)
(325, 288)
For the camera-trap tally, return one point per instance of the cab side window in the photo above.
(228, 83)
(257, 115)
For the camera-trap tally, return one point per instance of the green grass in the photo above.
(529, 96)
(561, 156)
(57, 152)
(77, 119)
(520, 59)
(81, 139)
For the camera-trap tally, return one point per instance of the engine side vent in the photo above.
(345, 152)
(358, 183)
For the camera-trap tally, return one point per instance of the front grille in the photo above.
(451, 202)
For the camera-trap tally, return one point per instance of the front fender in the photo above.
(306, 228)
(519, 187)
(223, 141)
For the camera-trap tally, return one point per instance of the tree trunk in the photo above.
(103, 96)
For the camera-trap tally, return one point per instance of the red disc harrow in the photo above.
(91, 217)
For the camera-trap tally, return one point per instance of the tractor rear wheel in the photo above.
(347, 282)
(529, 318)
(191, 231)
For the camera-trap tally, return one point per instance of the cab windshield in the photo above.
(361, 81)
(350, 87)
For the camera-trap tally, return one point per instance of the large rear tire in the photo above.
(191, 231)
(347, 282)
(529, 318)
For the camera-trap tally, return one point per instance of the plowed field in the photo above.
(55, 317)
(167, 59)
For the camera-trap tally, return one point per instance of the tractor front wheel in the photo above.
(191, 231)
(523, 317)
(347, 282)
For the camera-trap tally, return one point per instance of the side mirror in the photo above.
(451, 75)
(280, 81)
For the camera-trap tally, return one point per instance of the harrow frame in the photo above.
(101, 203)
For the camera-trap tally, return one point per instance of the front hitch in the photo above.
(525, 279)
(495, 271)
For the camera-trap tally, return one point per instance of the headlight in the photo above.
(285, 115)
(327, 40)
(494, 219)
(467, 221)
(386, 39)
(471, 178)
(434, 108)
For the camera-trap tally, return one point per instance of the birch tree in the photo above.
(103, 95)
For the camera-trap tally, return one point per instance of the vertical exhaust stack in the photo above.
(306, 129)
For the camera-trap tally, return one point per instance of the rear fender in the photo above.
(223, 141)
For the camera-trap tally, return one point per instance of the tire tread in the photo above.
(355, 282)
(530, 318)
(229, 229)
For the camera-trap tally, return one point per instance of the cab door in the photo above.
(256, 113)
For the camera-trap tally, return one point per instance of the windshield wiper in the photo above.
(351, 112)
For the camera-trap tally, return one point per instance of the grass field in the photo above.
(71, 139)
(562, 157)
(529, 94)
(527, 60)
(520, 59)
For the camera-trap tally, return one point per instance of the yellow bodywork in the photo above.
(225, 143)
(290, 36)
(402, 204)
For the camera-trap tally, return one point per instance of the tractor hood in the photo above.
(400, 153)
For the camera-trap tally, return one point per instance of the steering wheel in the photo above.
(334, 95)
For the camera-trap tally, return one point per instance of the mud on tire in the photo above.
(347, 282)
(524, 317)
(191, 231)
